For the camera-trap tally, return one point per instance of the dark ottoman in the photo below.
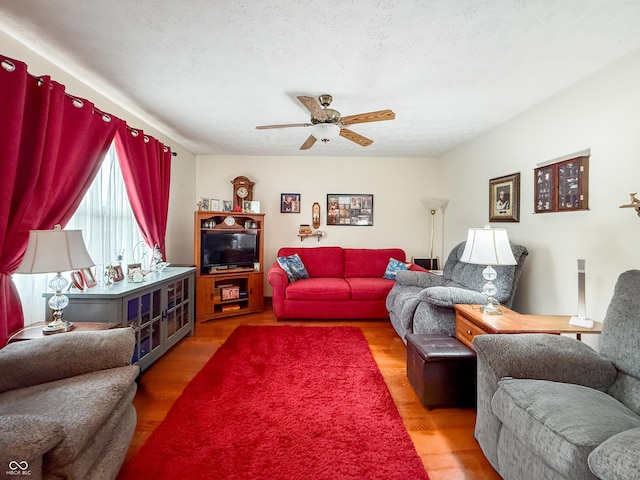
(441, 370)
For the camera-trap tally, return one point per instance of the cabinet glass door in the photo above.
(177, 306)
(144, 315)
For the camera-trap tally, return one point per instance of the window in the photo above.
(108, 227)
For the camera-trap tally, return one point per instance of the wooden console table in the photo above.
(472, 321)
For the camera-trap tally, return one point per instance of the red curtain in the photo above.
(146, 168)
(51, 147)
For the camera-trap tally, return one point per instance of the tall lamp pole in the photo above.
(433, 205)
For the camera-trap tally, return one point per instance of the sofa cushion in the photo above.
(293, 267)
(319, 289)
(369, 288)
(319, 261)
(393, 267)
(369, 262)
(617, 458)
(560, 422)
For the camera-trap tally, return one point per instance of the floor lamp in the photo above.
(433, 205)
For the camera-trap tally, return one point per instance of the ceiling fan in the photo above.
(327, 123)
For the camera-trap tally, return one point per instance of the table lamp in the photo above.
(57, 251)
(488, 246)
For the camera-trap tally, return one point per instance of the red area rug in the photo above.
(283, 402)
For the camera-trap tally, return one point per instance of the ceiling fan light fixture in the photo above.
(325, 131)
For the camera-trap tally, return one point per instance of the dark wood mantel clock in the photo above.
(242, 191)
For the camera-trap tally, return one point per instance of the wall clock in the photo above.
(242, 191)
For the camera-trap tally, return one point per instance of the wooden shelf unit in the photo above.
(209, 283)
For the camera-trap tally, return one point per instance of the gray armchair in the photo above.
(66, 406)
(550, 407)
(421, 302)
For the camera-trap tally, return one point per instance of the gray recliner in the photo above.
(66, 406)
(552, 408)
(422, 302)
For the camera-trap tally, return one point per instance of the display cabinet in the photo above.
(228, 253)
(562, 186)
(160, 309)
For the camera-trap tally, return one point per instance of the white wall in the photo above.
(179, 245)
(600, 114)
(397, 184)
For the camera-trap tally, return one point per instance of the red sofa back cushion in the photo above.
(319, 261)
(369, 262)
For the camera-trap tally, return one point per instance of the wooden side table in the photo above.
(472, 321)
(33, 331)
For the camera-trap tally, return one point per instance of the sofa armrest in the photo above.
(278, 280)
(617, 458)
(416, 278)
(449, 296)
(414, 267)
(26, 438)
(54, 357)
(544, 357)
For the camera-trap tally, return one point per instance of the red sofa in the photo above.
(342, 283)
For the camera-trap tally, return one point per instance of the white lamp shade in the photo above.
(325, 131)
(434, 203)
(488, 246)
(55, 251)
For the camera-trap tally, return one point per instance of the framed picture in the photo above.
(255, 206)
(246, 206)
(350, 209)
(504, 198)
(89, 278)
(214, 204)
(205, 203)
(117, 273)
(289, 203)
(226, 205)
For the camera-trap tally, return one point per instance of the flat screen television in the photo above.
(224, 250)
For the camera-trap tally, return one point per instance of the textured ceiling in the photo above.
(207, 72)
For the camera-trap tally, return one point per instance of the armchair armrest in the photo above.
(544, 357)
(617, 458)
(449, 296)
(26, 438)
(54, 357)
(416, 278)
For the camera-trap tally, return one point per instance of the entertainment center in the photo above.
(228, 254)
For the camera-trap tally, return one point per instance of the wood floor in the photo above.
(443, 437)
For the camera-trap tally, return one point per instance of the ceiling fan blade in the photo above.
(308, 143)
(378, 116)
(313, 106)
(285, 125)
(355, 137)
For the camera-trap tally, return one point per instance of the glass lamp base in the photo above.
(53, 327)
(491, 309)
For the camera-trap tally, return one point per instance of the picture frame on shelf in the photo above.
(214, 205)
(504, 198)
(254, 206)
(227, 205)
(289, 203)
(118, 274)
(88, 277)
(204, 202)
(350, 209)
(246, 206)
